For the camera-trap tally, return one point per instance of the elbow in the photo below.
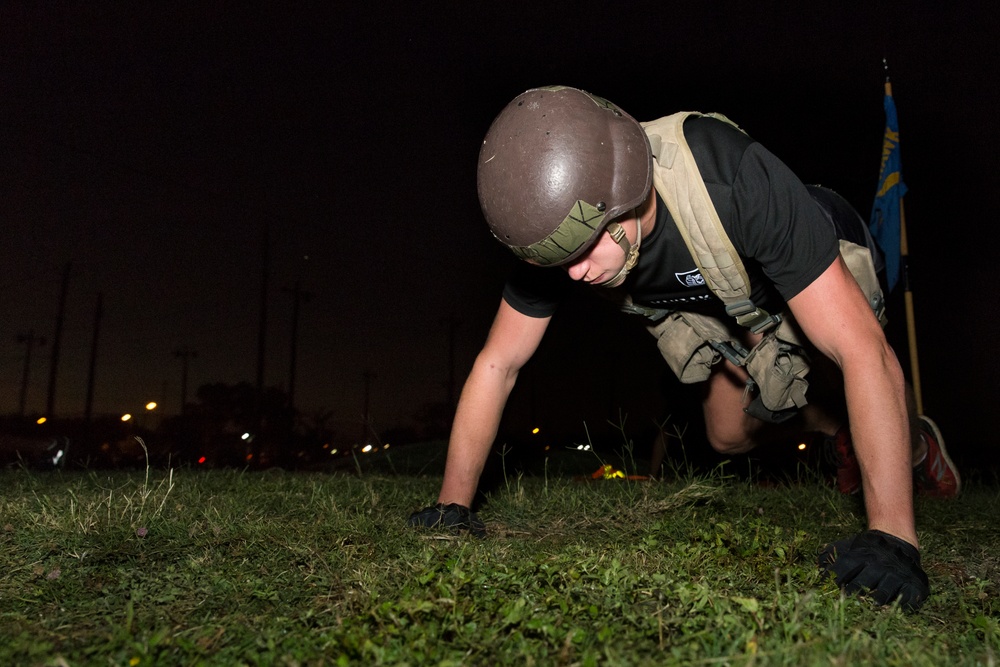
(508, 374)
(496, 370)
(878, 356)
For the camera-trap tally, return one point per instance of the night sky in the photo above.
(150, 145)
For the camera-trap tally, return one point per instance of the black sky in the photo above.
(149, 144)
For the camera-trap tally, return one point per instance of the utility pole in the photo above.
(29, 339)
(368, 376)
(265, 252)
(50, 404)
(184, 353)
(297, 297)
(262, 330)
(452, 322)
(98, 314)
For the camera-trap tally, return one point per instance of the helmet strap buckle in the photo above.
(617, 234)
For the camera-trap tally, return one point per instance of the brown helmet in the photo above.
(557, 165)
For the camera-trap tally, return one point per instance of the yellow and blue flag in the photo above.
(887, 210)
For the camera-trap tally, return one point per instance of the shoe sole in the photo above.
(944, 451)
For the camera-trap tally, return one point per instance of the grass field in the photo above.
(228, 567)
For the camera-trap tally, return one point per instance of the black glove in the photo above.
(453, 516)
(882, 563)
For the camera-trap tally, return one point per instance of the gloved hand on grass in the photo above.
(880, 563)
(452, 516)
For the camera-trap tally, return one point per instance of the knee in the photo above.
(732, 442)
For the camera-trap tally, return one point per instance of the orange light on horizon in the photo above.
(126, 417)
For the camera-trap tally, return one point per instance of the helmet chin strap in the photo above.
(631, 251)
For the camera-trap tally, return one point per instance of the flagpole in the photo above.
(911, 328)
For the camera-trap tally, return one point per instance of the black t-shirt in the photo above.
(785, 233)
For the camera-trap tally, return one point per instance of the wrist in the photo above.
(908, 535)
(908, 548)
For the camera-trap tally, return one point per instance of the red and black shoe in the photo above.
(936, 475)
(838, 451)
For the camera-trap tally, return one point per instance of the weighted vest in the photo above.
(692, 343)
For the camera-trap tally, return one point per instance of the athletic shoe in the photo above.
(839, 451)
(936, 475)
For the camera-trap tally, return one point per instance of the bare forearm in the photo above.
(835, 315)
(879, 425)
(475, 427)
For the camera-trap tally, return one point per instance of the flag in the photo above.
(887, 210)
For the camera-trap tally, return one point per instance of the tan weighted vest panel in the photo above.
(677, 179)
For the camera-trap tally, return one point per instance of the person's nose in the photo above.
(578, 270)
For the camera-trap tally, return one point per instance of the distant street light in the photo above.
(149, 408)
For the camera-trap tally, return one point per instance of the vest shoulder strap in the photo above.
(678, 181)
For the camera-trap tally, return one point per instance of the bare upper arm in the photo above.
(835, 315)
(513, 338)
